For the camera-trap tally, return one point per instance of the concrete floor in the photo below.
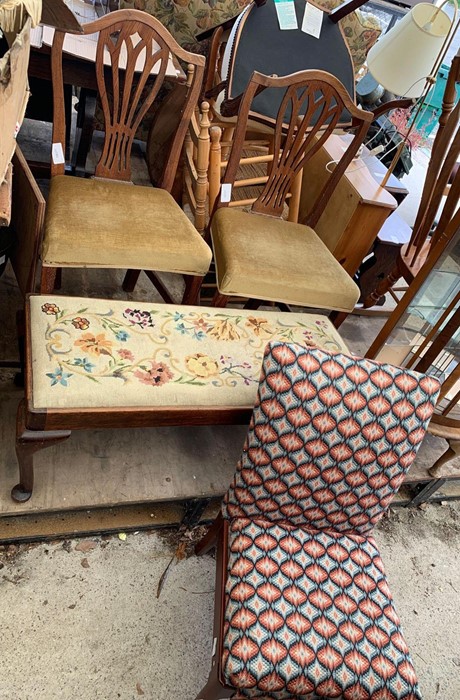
(80, 618)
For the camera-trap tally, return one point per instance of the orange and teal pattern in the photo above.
(309, 614)
(330, 440)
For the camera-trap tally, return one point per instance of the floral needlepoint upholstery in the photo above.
(94, 352)
(308, 611)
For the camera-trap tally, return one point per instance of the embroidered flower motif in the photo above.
(95, 344)
(83, 362)
(224, 330)
(122, 336)
(183, 330)
(50, 309)
(139, 318)
(58, 377)
(81, 323)
(308, 335)
(158, 374)
(200, 324)
(201, 365)
(126, 355)
(323, 324)
(259, 326)
(178, 317)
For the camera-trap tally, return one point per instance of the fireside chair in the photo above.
(257, 254)
(302, 605)
(106, 222)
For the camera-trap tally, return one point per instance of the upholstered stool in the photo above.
(94, 363)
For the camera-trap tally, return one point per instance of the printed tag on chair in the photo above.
(312, 20)
(287, 18)
(57, 154)
(225, 192)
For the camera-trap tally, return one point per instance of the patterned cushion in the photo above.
(361, 29)
(309, 614)
(187, 18)
(96, 352)
(330, 440)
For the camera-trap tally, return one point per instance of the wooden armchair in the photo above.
(106, 222)
(258, 255)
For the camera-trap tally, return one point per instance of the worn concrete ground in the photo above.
(80, 619)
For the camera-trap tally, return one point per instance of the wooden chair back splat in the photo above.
(133, 50)
(133, 55)
(309, 113)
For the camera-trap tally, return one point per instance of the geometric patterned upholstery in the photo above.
(330, 440)
(308, 612)
(311, 612)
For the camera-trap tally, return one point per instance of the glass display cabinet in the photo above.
(425, 336)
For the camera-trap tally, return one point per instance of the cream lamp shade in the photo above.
(403, 58)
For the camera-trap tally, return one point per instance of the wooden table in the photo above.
(358, 208)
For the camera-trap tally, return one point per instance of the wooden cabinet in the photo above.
(357, 210)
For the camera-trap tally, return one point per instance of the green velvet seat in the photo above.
(297, 267)
(99, 223)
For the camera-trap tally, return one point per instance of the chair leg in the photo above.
(192, 289)
(210, 538)
(220, 300)
(130, 280)
(252, 304)
(20, 334)
(218, 535)
(49, 279)
(437, 470)
(337, 318)
(382, 288)
(214, 690)
(27, 443)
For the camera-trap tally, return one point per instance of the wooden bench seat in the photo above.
(93, 363)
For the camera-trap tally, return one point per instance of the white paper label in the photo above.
(214, 647)
(287, 18)
(2, 259)
(312, 20)
(57, 154)
(225, 192)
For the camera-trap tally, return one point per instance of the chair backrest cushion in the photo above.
(330, 440)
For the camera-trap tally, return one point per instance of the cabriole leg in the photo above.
(27, 443)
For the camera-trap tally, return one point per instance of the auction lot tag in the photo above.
(312, 20)
(287, 18)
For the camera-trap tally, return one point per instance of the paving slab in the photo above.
(80, 618)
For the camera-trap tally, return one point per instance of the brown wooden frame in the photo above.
(124, 103)
(217, 536)
(297, 137)
(37, 429)
(444, 154)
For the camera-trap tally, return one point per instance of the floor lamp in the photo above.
(406, 59)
